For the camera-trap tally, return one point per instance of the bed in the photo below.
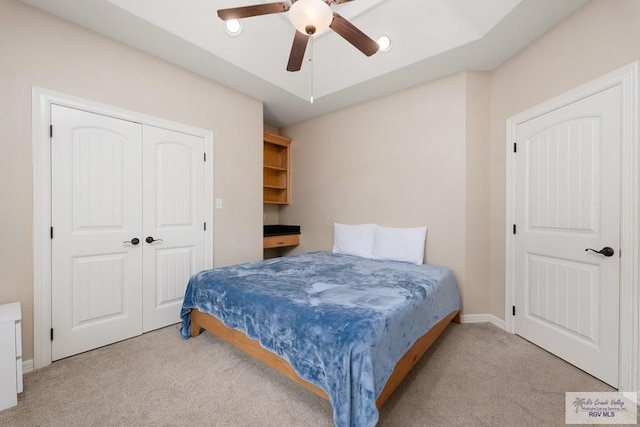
(346, 327)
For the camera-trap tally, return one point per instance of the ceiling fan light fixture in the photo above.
(385, 43)
(310, 16)
(233, 26)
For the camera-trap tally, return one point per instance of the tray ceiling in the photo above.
(431, 38)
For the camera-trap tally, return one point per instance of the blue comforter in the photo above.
(342, 322)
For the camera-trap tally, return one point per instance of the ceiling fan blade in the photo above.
(340, 1)
(256, 10)
(297, 51)
(353, 35)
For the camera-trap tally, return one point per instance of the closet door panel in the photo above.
(96, 209)
(174, 229)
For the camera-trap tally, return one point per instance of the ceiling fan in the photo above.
(309, 17)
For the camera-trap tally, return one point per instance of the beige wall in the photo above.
(271, 214)
(398, 161)
(599, 38)
(477, 169)
(37, 49)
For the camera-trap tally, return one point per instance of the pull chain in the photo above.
(311, 61)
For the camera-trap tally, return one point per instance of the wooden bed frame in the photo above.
(252, 347)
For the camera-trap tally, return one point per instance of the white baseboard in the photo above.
(27, 366)
(484, 318)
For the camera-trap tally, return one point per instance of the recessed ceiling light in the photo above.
(385, 43)
(233, 26)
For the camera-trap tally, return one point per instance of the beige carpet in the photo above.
(475, 375)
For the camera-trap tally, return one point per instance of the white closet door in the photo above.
(96, 213)
(173, 210)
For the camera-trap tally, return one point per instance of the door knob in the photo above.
(150, 239)
(606, 251)
(133, 241)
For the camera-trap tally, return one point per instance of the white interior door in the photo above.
(568, 200)
(174, 221)
(96, 211)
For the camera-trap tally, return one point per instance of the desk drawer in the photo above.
(281, 241)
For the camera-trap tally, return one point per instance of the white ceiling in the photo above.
(431, 38)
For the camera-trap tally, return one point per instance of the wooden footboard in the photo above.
(253, 348)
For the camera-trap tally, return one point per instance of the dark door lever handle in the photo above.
(150, 239)
(133, 241)
(606, 251)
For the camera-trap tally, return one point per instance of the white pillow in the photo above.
(400, 244)
(353, 239)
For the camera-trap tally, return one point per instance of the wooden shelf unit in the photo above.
(276, 169)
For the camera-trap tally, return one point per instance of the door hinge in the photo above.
(515, 147)
(205, 226)
(52, 232)
(50, 131)
(205, 157)
(513, 310)
(514, 229)
(51, 334)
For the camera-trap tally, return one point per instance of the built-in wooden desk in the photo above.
(280, 236)
(281, 241)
